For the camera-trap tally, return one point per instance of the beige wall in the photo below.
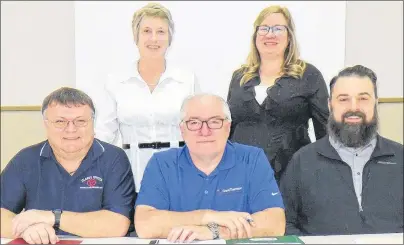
(19, 130)
(391, 121)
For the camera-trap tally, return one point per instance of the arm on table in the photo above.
(269, 222)
(103, 223)
(6, 219)
(153, 223)
(12, 194)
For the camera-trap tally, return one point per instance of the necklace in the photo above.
(152, 84)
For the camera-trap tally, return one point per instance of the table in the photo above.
(389, 238)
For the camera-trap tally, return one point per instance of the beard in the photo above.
(353, 135)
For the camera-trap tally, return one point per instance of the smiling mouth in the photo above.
(352, 119)
(205, 141)
(270, 43)
(75, 138)
(154, 47)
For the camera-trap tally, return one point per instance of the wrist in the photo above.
(206, 217)
(214, 230)
(49, 218)
(57, 213)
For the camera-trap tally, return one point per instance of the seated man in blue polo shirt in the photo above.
(210, 188)
(70, 183)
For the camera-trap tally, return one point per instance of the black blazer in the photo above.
(279, 125)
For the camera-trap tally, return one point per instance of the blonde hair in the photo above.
(152, 10)
(292, 65)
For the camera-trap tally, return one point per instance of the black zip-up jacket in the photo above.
(319, 194)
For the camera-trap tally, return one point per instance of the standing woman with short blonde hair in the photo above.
(275, 93)
(142, 104)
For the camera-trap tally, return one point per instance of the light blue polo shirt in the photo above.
(35, 180)
(243, 181)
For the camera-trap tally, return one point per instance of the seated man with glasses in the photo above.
(71, 183)
(210, 188)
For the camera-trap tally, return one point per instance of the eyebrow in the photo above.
(273, 25)
(191, 118)
(346, 95)
(158, 28)
(365, 93)
(79, 117)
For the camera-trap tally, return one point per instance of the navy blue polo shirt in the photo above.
(35, 180)
(243, 181)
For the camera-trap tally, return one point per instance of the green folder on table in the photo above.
(268, 240)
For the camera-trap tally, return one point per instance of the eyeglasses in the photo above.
(213, 123)
(62, 124)
(276, 30)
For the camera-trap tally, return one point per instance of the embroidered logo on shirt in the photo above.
(91, 182)
(229, 190)
(388, 163)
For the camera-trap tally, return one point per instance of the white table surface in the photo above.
(390, 238)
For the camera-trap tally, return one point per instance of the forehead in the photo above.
(204, 108)
(353, 86)
(67, 111)
(274, 19)
(153, 22)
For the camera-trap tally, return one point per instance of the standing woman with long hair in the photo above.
(273, 96)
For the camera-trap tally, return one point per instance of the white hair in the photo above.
(225, 106)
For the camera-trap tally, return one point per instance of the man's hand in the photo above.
(238, 223)
(25, 219)
(186, 234)
(40, 234)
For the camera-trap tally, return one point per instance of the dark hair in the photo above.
(68, 96)
(359, 71)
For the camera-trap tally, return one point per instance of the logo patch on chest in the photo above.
(91, 182)
(229, 190)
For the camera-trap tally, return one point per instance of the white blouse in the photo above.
(128, 109)
(261, 93)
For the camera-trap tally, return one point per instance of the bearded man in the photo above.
(350, 181)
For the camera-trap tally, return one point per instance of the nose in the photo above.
(153, 36)
(70, 127)
(270, 33)
(205, 130)
(354, 105)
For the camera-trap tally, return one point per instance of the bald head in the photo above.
(204, 103)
